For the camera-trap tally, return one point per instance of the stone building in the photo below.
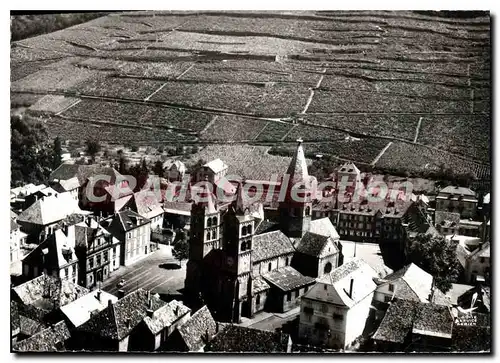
(457, 199)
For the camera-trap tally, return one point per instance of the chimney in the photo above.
(149, 312)
(351, 284)
(98, 295)
(121, 293)
(127, 322)
(217, 327)
(177, 310)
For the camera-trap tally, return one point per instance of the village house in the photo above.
(194, 334)
(82, 309)
(52, 339)
(457, 199)
(157, 326)
(415, 326)
(447, 222)
(334, 311)
(55, 256)
(211, 171)
(44, 295)
(18, 195)
(239, 339)
(98, 252)
(147, 204)
(409, 283)
(174, 170)
(17, 239)
(41, 218)
(133, 233)
(475, 260)
(110, 329)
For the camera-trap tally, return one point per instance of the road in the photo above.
(159, 272)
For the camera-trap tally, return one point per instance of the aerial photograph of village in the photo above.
(250, 182)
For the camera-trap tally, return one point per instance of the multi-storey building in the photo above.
(457, 199)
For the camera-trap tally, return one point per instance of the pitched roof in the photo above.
(147, 204)
(458, 190)
(287, 278)
(125, 221)
(49, 339)
(259, 284)
(51, 209)
(117, 320)
(216, 165)
(182, 208)
(348, 167)
(271, 245)
(14, 316)
(79, 311)
(314, 245)
(397, 322)
(355, 270)
(13, 225)
(266, 226)
(486, 199)
(179, 165)
(27, 189)
(324, 227)
(481, 251)
(297, 170)
(482, 297)
(414, 283)
(30, 326)
(194, 331)
(235, 338)
(433, 320)
(84, 172)
(165, 316)
(35, 292)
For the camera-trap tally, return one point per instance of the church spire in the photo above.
(297, 170)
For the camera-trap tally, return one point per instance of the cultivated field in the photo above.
(396, 90)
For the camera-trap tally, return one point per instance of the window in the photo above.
(106, 256)
(257, 300)
(391, 287)
(214, 234)
(289, 296)
(387, 298)
(308, 211)
(325, 287)
(214, 221)
(91, 262)
(98, 260)
(296, 293)
(269, 267)
(66, 272)
(114, 251)
(243, 246)
(305, 289)
(324, 308)
(286, 262)
(243, 230)
(249, 229)
(338, 317)
(482, 260)
(308, 310)
(98, 241)
(209, 222)
(328, 268)
(208, 236)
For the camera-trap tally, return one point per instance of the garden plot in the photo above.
(450, 133)
(54, 79)
(53, 103)
(417, 159)
(132, 88)
(397, 126)
(363, 102)
(139, 114)
(230, 128)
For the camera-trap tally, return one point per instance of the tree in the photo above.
(158, 168)
(437, 256)
(181, 247)
(57, 153)
(31, 151)
(92, 148)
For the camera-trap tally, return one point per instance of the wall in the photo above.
(123, 345)
(356, 319)
(136, 241)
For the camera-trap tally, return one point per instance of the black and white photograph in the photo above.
(265, 181)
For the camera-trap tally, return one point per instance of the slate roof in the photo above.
(433, 320)
(62, 292)
(166, 316)
(271, 245)
(30, 326)
(125, 221)
(287, 278)
(58, 250)
(457, 190)
(259, 285)
(324, 227)
(233, 339)
(397, 322)
(117, 321)
(48, 210)
(47, 340)
(447, 219)
(266, 226)
(194, 331)
(79, 311)
(313, 245)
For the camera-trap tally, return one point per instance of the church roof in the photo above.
(324, 227)
(313, 244)
(287, 278)
(297, 170)
(270, 245)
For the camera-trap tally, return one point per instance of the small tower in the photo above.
(295, 208)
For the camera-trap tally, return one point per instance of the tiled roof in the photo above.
(183, 208)
(297, 170)
(271, 245)
(30, 326)
(397, 322)
(458, 190)
(259, 285)
(287, 278)
(433, 320)
(313, 244)
(117, 321)
(79, 311)
(234, 339)
(416, 279)
(194, 331)
(58, 250)
(84, 172)
(49, 210)
(147, 204)
(125, 221)
(47, 340)
(166, 316)
(62, 292)
(324, 227)
(179, 165)
(14, 316)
